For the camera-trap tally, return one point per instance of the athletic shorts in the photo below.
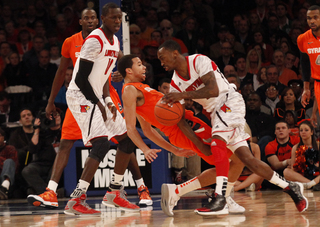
(317, 92)
(228, 120)
(70, 128)
(90, 120)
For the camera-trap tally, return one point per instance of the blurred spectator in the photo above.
(52, 15)
(285, 47)
(156, 35)
(254, 21)
(271, 7)
(297, 87)
(24, 43)
(237, 47)
(6, 14)
(244, 36)
(31, 56)
(8, 165)
(258, 47)
(272, 77)
(244, 76)
(176, 20)
(164, 86)
(52, 38)
(60, 100)
(302, 18)
(253, 62)
(31, 15)
(290, 61)
(291, 118)
(294, 33)
(285, 74)
(259, 37)
(261, 9)
(236, 23)
(229, 69)
(278, 151)
(288, 101)
(226, 56)
(78, 6)
(39, 28)
(12, 32)
(284, 22)
(23, 22)
(41, 77)
(167, 30)
(272, 97)
(3, 38)
(234, 79)
(305, 159)
(215, 49)
(72, 19)
(260, 78)
(8, 112)
(189, 35)
(246, 90)
(5, 50)
(135, 37)
(62, 28)
(41, 12)
(152, 18)
(146, 31)
(55, 55)
(261, 124)
(15, 72)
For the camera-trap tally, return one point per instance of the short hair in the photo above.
(4, 95)
(87, 9)
(234, 76)
(272, 84)
(106, 7)
(237, 57)
(170, 45)
(124, 63)
(23, 109)
(282, 121)
(314, 7)
(164, 80)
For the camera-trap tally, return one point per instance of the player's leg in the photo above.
(70, 133)
(295, 190)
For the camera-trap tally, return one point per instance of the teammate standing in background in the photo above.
(309, 46)
(197, 77)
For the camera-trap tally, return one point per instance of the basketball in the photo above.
(168, 115)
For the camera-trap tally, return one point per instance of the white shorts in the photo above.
(228, 120)
(90, 120)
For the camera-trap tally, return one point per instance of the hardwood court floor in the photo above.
(263, 208)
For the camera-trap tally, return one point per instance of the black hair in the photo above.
(314, 139)
(23, 109)
(87, 9)
(4, 95)
(314, 7)
(124, 63)
(2, 132)
(170, 45)
(106, 7)
(282, 121)
(164, 80)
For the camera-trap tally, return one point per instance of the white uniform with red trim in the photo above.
(227, 110)
(96, 48)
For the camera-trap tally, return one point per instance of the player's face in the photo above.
(313, 19)
(89, 20)
(166, 58)
(112, 21)
(138, 69)
(282, 130)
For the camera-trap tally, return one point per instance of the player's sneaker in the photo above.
(233, 207)
(217, 206)
(295, 190)
(144, 196)
(118, 199)
(169, 198)
(3, 193)
(78, 206)
(47, 199)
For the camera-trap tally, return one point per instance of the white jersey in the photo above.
(98, 49)
(198, 66)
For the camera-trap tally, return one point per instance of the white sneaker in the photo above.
(251, 188)
(169, 198)
(234, 208)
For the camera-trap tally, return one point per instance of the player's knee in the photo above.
(219, 150)
(126, 145)
(100, 147)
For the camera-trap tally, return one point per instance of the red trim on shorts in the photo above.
(86, 145)
(118, 135)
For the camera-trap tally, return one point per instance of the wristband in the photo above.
(108, 100)
(36, 126)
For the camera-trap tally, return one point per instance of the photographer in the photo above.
(35, 150)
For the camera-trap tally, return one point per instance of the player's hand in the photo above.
(103, 111)
(113, 110)
(184, 153)
(314, 120)
(206, 150)
(151, 154)
(50, 110)
(116, 77)
(305, 97)
(172, 97)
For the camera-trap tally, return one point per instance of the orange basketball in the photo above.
(168, 115)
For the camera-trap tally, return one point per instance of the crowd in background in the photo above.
(253, 42)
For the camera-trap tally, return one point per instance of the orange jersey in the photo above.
(310, 44)
(71, 47)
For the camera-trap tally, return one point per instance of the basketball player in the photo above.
(139, 101)
(309, 46)
(198, 78)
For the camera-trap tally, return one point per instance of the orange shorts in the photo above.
(179, 139)
(317, 92)
(70, 128)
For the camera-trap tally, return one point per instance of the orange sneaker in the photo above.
(144, 196)
(47, 199)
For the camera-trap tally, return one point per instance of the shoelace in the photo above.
(76, 193)
(123, 194)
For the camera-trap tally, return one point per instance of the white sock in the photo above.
(84, 185)
(6, 184)
(279, 181)
(188, 186)
(139, 182)
(116, 179)
(310, 184)
(229, 188)
(52, 185)
(221, 185)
